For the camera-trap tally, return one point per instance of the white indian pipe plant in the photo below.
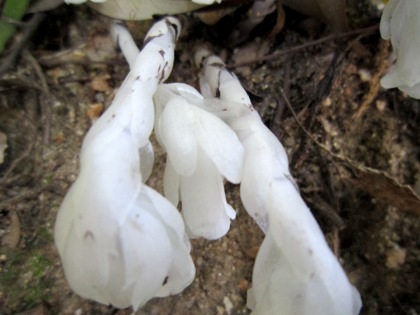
(202, 150)
(400, 23)
(265, 157)
(120, 241)
(295, 271)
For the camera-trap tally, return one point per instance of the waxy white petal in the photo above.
(401, 25)
(176, 131)
(204, 207)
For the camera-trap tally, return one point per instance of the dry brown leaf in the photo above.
(333, 12)
(396, 257)
(281, 18)
(11, 238)
(212, 17)
(380, 185)
(94, 111)
(39, 310)
(100, 83)
(3, 146)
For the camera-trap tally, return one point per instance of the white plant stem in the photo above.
(124, 40)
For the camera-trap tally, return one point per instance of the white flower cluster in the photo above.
(122, 243)
(401, 24)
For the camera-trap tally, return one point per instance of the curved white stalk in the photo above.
(201, 150)
(125, 41)
(295, 271)
(120, 242)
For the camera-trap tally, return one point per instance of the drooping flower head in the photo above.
(295, 271)
(400, 23)
(120, 242)
(265, 157)
(202, 150)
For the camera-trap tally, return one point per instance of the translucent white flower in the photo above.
(401, 24)
(142, 9)
(295, 271)
(265, 157)
(120, 242)
(201, 150)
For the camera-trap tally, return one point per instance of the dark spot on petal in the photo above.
(174, 27)
(88, 234)
(165, 281)
(162, 52)
(217, 64)
(162, 76)
(149, 38)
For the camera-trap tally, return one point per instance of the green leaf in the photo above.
(14, 10)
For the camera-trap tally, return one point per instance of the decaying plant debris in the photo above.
(63, 81)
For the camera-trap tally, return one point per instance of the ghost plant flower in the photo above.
(143, 9)
(202, 150)
(265, 157)
(401, 24)
(121, 242)
(295, 271)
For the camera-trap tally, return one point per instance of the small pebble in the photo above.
(395, 258)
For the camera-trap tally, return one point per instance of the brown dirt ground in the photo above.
(358, 176)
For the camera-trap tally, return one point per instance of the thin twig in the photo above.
(45, 100)
(13, 56)
(323, 90)
(16, 162)
(277, 54)
(23, 195)
(11, 21)
(382, 66)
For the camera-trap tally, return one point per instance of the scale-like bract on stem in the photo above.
(201, 150)
(401, 24)
(121, 242)
(295, 271)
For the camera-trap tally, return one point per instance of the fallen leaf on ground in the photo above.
(11, 238)
(3, 146)
(380, 185)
